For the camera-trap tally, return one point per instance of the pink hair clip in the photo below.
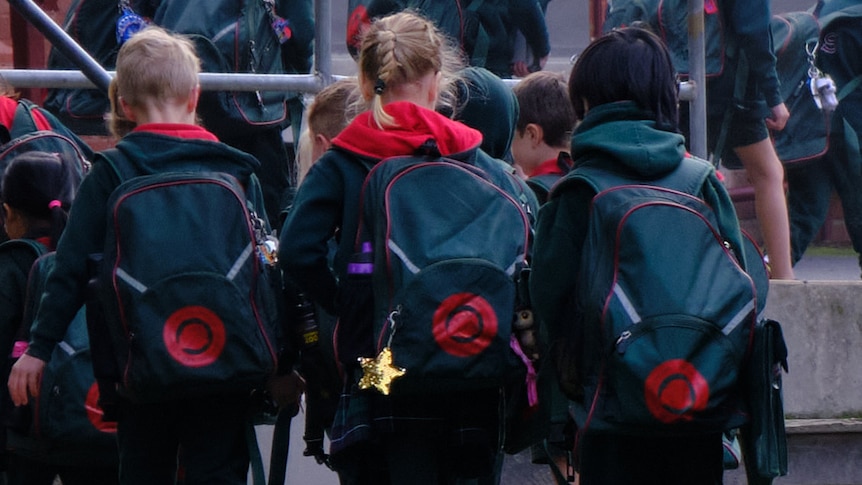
(54, 203)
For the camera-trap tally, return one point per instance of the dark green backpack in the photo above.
(805, 137)
(91, 23)
(666, 311)
(26, 120)
(233, 36)
(447, 242)
(65, 422)
(188, 286)
(669, 20)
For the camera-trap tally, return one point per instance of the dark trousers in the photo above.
(200, 440)
(810, 190)
(628, 460)
(25, 471)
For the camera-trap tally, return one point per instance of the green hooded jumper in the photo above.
(623, 139)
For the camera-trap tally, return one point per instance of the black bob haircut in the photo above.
(627, 64)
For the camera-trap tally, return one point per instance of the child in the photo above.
(540, 150)
(542, 137)
(746, 27)
(627, 128)
(156, 88)
(405, 71)
(329, 113)
(37, 191)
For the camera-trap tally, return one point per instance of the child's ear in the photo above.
(322, 142)
(194, 95)
(13, 222)
(535, 133)
(128, 112)
(365, 87)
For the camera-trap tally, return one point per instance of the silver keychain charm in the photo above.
(821, 84)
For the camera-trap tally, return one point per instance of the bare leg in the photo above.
(766, 174)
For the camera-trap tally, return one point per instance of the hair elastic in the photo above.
(54, 203)
(379, 86)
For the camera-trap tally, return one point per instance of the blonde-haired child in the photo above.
(154, 94)
(406, 70)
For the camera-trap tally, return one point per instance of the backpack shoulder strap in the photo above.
(28, 118)
(688, 177)
(31, 244)
(849, 87)
(119, 163)
(31, 294)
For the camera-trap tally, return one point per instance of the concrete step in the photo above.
(819, 451)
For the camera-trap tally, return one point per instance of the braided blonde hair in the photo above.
(402, 48)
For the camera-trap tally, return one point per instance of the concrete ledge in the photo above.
(823, 426)
(822, 324)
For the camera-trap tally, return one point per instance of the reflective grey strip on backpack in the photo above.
(131, 280)
(415, 269)
(65, 347)
(738, 318)
(630, 310)
(627, 304)
(234, 270)
(402, 256)
(240, 261)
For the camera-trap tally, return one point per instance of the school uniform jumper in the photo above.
(460, 21)
(405, 432)
(210, 430)
(562, 227)
(746, 33)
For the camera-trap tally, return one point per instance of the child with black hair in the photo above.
(37, 192)
(623, 90)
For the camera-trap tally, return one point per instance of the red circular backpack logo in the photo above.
(95, 413)
(464, 324)
(675, 390)
(194, 336)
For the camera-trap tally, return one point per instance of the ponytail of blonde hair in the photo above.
(402, 48)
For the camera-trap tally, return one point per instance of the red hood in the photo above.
(416, 125)
(7, 114)
(179, 130)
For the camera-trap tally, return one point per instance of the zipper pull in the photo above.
(622, 342)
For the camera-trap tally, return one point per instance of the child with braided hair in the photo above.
(406, 69)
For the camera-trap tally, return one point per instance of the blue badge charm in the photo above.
(128, 25)
(281, 26)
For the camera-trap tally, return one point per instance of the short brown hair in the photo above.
(333, 107)
(543, 99)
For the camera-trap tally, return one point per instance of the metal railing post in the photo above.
(63, 42)
(697, 75)
(323, 40)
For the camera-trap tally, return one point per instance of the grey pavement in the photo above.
(828, 264)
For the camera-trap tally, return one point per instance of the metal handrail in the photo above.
(64, 43)
(93, 75)
(49, 78)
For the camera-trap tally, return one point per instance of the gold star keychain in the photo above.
(378, 372)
